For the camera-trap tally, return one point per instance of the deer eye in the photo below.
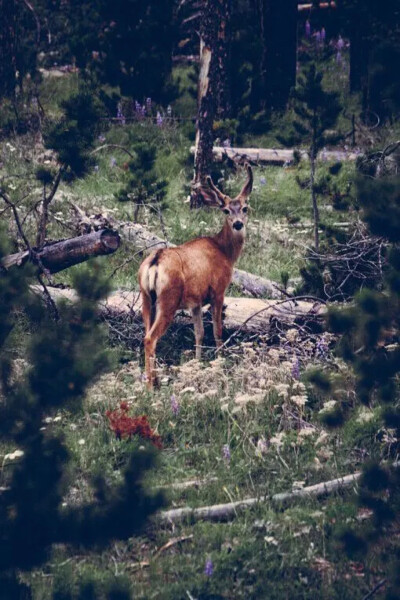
(244, 209)
(226, 211)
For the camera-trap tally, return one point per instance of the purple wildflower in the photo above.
(102, 138)
(96, 168)
(175, 408)
(263, 181)
(226, 452)
(322, 349)
(169, 111)
(308, 28)
(159, 119)
(113, 162)
(338, 57)
(148, 105)
(323, 35)
(209, 567)
(226, 143)
(318, 38)
(296, 368)
(340, 43)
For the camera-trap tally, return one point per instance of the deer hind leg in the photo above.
(197, 316)
(146, 311)
(164, 317)
(217, 320)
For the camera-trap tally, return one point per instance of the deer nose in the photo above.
(238, 225)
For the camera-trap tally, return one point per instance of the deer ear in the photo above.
(248, 186)
(220, 197)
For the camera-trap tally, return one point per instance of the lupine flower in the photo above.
(340, 43)
(96, 168)
(323, 35)
(322, 349)
(226, 453)
(148, 105)
(263, 181)
(338, 57)
(209, 567)
(113, 162)
(159, 119)
(175, 408)
(169, 110)
(318, 37)
(296, 368)
(308, 28)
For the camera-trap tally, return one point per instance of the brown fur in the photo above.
(192, 275)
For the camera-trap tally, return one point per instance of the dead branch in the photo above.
(225, 512)
(60, 255)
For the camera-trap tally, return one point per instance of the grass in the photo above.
(247, 401)
(235, 402)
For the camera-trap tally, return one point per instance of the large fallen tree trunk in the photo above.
(252, 284)
(58, 256)
(274, 156)
(247, 314)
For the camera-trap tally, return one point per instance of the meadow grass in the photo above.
(242, 423)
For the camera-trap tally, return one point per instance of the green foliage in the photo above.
(61, 359)
(73, 136)
(315, 112)
(143, 186)
(367, 329)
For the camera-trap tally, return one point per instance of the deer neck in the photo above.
(230, 243)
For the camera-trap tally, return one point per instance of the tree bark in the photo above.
(224, 58)
(278, 68)
(207, 97)
(66, 253)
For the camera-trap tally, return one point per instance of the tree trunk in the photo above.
(207, 96)
(278, 69)
(66, 253)
(314, 199)
(224, 57)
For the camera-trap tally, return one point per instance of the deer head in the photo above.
(235, 209)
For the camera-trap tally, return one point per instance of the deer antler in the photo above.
(220, 195)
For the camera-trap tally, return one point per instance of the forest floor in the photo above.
(243, 424)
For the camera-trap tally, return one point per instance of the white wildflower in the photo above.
(14, 455)
(329, 405)
(81, 442)
(271, 540)
(278, 439)
(364, 415)
(299, 400)
(282, 389)
(292, 335)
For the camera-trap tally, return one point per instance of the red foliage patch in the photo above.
(125, 426)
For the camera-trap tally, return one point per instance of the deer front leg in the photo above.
(217, 320)
(197, 317)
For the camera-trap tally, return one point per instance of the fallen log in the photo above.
(225, 512)
(246, 314)
(60, 255)
(274, 156)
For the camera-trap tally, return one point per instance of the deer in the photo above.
(193, 275)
